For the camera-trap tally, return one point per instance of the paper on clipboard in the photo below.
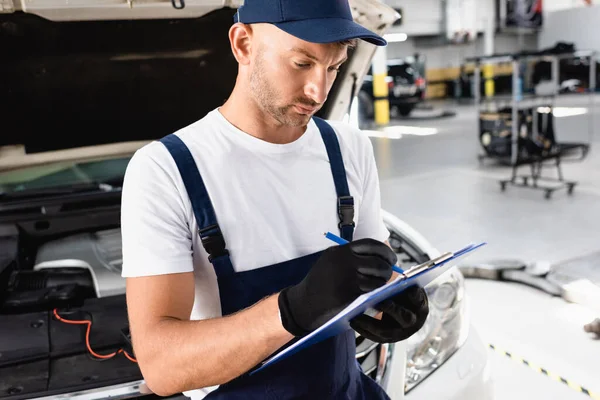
(418, 275)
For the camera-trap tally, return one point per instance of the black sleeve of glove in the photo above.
(403, 315)
(338, 277)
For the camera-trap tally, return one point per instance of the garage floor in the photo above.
(436, 183)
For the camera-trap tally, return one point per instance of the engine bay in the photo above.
(59, 252)
(63, 315)
(67, 271)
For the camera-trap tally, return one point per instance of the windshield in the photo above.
(64, 175)
(404, 71)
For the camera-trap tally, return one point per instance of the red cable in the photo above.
(87, 338)
(128, 356)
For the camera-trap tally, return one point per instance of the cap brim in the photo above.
(330, 30)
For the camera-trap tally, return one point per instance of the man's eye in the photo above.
(336, 69)
(300, 65)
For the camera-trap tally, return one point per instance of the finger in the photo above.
(405, 317)
(372, 247)
(368, 327)
(376, 330)
(423, 308)
(379, 269)
(416, 296)
(368, 283)
(385, 306)
(415, 299)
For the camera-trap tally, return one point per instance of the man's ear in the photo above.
(240, 37)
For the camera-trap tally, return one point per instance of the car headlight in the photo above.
(444, 332)
(447, 325)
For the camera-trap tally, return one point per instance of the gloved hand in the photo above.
(338, 277)
(403, 315)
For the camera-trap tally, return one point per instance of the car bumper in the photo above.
(404, 100)
(464, 376)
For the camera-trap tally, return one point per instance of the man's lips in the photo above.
(306, 110)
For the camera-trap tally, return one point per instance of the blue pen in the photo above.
(342, 241)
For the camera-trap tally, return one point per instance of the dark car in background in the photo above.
(406, 88)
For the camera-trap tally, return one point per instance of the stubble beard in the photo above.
(267, 95)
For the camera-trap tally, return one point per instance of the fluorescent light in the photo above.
(568, 111)
(544, 110)
(395, 37)
(560, 112)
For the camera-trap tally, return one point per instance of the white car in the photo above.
(84, 85)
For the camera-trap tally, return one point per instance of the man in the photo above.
(223, 225)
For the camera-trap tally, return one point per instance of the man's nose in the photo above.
(317, 86)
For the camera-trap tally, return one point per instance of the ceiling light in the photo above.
(395, 37)
(568, 111)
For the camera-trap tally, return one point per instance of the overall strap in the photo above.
(208, 228)
(345, 203)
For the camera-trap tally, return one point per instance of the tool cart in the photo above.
(518, 130)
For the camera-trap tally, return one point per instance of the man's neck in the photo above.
(243, 113)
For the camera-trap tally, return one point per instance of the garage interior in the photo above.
(450, 196)
(439, 105)
(435, 173)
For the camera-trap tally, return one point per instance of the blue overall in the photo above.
(326, 370)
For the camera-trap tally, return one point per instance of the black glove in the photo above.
(403, 315)
(339, 276)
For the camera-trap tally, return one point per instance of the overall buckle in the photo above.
(346, 211)
(213, 242)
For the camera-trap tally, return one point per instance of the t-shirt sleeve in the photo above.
(370, 223)
(155, 231)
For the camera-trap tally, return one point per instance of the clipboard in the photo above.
(421, 275)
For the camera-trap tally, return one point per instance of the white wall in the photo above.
(400, 49)
(425, 17)
(420, 17)
(485, 9)
(579, 25)
(557, 5)
(461, 16)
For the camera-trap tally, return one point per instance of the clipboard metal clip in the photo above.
(417, 269)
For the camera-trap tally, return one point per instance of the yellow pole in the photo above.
(488, 69)
(488, 76)
(380, 87)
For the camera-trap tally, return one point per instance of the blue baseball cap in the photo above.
(316, 21)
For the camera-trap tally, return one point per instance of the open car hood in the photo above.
(73, 87)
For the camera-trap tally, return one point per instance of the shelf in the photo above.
(527, 101)
(532, 56)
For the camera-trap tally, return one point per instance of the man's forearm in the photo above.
(184, 355)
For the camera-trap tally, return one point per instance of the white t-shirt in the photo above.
(273, 203)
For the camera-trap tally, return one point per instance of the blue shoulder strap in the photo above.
(345, 203)
(208, 228)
